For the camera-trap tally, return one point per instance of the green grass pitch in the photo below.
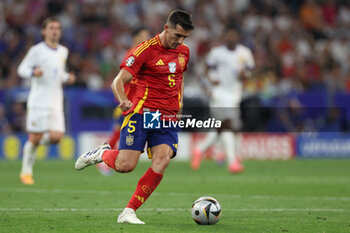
(272, 196)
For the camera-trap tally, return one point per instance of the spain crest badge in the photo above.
(129, 140)
(182, 61)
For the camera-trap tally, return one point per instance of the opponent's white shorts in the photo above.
(226, 105)
(41, 120)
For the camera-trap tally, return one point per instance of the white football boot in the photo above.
(129, 216)
(91, 157)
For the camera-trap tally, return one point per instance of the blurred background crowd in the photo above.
(300, 46)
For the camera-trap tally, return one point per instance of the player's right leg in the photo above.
(29, 154)
(161, 155)
(121, 161)
(201, 147)
(37, 123)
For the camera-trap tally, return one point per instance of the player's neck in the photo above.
(163, 41)
(231, 46)
(51, 44)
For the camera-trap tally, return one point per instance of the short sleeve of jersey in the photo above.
(25, 68)
(31, 57)
(66, 52)
(212, 57)
(248, 57)
(134, 61)
(187, 54)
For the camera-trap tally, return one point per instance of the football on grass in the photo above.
(206, 211)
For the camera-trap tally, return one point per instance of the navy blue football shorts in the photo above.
(133, 136)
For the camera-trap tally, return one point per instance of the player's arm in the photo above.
(246, 74)
(123, 77)
(71, 78)
(27, 68)
(211, 65)
(68, 78)
(249, 65)
(212, 81)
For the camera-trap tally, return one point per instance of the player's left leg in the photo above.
(92, 157)
(132, 143)
(229, 143)
(55, 137)
(161, 155)
(57, 128)
(51, 137)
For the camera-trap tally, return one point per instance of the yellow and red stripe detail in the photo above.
(145, 46)
(158, 40)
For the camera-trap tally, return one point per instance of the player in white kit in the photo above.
(226, 66)
(45, 65)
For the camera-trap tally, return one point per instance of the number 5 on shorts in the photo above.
(131, 125)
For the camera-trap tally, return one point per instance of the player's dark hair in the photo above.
(232, 26)
(49, 20)
(183, 18)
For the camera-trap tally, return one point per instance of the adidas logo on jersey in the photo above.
(160, 63)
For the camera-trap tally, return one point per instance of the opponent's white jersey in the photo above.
(226, 66)
(46, 91)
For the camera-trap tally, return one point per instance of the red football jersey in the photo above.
(158, 73)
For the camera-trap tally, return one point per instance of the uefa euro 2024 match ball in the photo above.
(206, 211)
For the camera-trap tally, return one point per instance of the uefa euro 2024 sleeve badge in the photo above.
(130, 61)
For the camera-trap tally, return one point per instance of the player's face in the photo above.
(175, 36)
(231, 38)
(52, 31)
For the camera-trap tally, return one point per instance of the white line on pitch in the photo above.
(109, 192)
(171, 209)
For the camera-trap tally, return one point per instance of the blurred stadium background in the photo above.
(301, 85)
(296, 105)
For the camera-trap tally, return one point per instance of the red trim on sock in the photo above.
(114, 138)
(109, 157)
(146, 185)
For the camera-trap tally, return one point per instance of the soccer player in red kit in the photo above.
(156, 68)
